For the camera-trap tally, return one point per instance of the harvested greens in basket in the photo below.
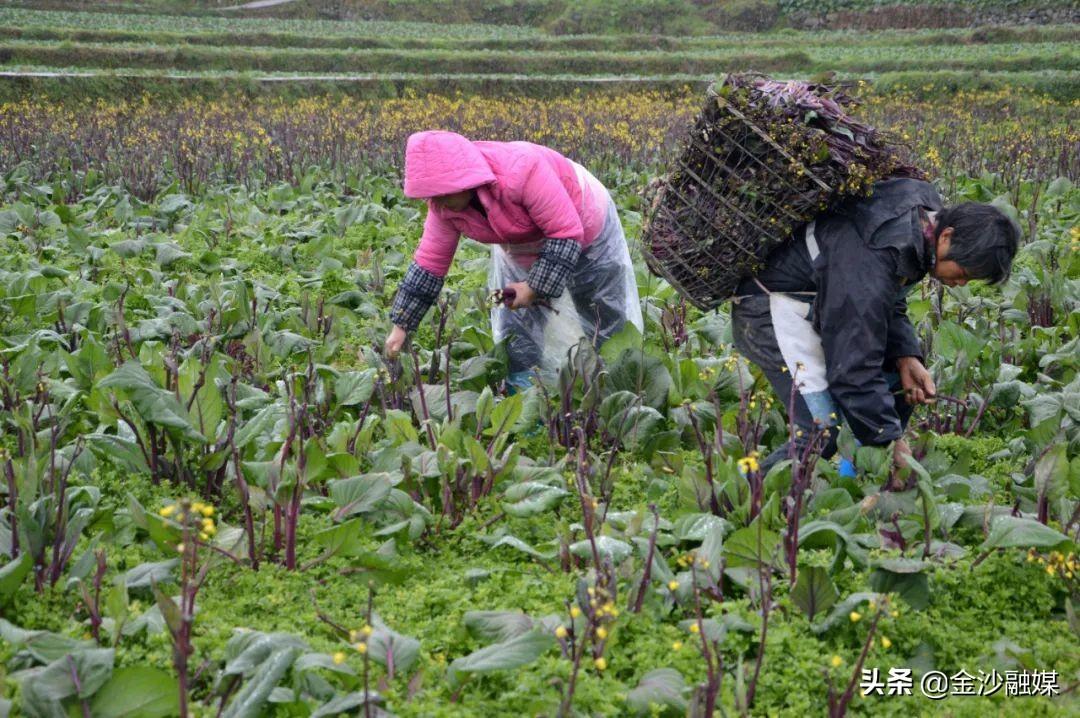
(762, 158)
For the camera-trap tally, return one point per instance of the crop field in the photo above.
(217, 496)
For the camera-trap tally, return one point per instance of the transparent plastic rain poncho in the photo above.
(600, 297)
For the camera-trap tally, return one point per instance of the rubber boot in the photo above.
(847, 468)
(517, 381)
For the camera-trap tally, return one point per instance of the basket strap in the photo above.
(735, 298)
(811, 247)
(811, 242)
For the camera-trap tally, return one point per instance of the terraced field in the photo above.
(154, 46)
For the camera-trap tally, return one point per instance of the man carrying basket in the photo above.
(829, 309)
(812, 224)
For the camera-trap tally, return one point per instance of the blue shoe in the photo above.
(517, 381)
(847, 469)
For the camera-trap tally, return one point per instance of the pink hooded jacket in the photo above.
(529, 192)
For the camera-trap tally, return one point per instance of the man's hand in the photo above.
(524, 296)
(395, 341)
(901, 453)
(918, 384)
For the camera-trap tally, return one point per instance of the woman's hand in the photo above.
(918, 384)
(524, 296)
(395, 341)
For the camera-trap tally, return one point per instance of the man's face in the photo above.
(947, 271)
(455, 202)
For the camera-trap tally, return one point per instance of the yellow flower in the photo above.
(673, 585)
(207, 511)
(676, 646)
(339, 658)
(836, 661)
(600, 663)
(601, 633)
(367, 630)
(167, 511)
(748, 464)
(694, 628)
(361, 647)
(560, 632)
(575, 612)
(203, 536)
(855, 616)
(885, 642)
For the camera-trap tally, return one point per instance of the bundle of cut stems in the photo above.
(761, 159)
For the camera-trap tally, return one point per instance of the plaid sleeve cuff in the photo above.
(557, 260)
(415, 295)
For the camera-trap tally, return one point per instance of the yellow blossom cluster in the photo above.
(359, 640)
(194, 515)
(601, 603)
(749, 464)
(880, 608)
(763, 397)
(236, 137)
(686, 561)
(975, 131)
(1063, 566)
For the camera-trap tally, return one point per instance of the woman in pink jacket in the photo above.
(553, 226)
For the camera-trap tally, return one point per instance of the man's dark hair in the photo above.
(984, 240)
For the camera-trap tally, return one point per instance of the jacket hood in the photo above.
(439, 162)
(888, 220)
(891, 199)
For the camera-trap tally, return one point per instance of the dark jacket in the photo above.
(872, 251)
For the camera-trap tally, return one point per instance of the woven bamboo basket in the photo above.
(734, 192)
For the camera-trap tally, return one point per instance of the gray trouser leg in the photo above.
(599, 283)
(753, 323)
(755, 338)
